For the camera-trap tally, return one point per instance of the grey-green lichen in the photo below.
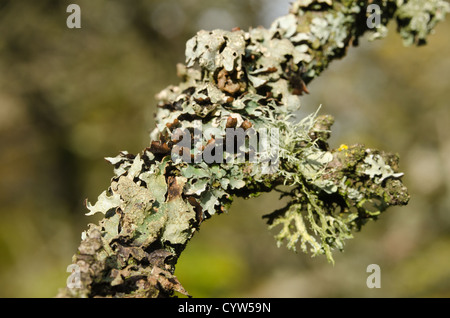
(252, 81)
(417, 18)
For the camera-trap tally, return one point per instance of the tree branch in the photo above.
(253, 81)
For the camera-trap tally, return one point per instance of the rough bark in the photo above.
(251, 80)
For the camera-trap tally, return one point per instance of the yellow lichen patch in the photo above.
(343, 147)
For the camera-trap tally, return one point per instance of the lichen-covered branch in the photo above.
(248, 84)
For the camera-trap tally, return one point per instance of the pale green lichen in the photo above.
(104, 203)
(378, 170)
(216, 49)
(417, 18)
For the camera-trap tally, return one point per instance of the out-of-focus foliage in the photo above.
(68, 98)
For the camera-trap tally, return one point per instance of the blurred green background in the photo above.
(69, 97)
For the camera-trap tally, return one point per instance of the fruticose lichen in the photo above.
(249, 83)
